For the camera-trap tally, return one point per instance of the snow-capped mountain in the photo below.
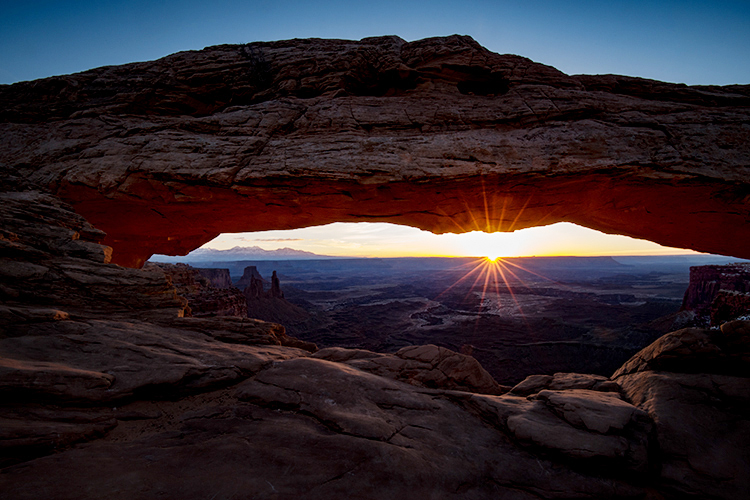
(239, 253)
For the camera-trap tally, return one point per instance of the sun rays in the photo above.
(491, 282)
(486, 227)
(493, 275)
(489, 220)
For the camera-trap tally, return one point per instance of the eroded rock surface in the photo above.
(51, 261)
(77, 331)
(209, 292)
(269, 305)
(108, 392)
(219, 278)
(440, 134)
(694, 384)
(314, 428)
(717, 294)
(423, 366)
(586, 425)
(563, 381)
(251, 278)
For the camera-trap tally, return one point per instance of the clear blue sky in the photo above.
(694, 42)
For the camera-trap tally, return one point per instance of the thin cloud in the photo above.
(275, 239)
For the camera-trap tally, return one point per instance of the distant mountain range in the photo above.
(255, 253)
(240, 253)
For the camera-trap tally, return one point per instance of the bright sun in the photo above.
(379, 239)
(492, 245)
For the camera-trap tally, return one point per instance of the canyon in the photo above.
(209, 292)
(717, 293)
(517, 316)
(110, 390)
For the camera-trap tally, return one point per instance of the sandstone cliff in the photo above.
(218, 278)
(440, 134)
(249, 274)
(205, 299)
(269, 305)
(718, 293)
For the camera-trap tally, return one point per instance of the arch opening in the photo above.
(382, 239)
(555, 292)
(147, 216)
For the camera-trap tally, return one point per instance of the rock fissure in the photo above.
(528, 490)
(343, 474)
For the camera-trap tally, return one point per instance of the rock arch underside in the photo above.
(107, 390)
(440, 134)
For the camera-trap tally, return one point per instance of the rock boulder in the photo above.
(694, 384)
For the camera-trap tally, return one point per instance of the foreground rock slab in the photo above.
(695, 385)
(315, 428)
(423, 366)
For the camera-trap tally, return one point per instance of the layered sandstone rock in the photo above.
(249, 276)
(219, 278)
(717, 294)
(729, 305)
(319, 429)
(52, 262)
(270, 305)
(586, 428)
(440, 134)
(78, 335)
(205, 299)
(564, 381)
(423, 366)
(252, 282)
(275, 290)
(694, 384)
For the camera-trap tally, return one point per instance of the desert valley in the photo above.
(517, 317)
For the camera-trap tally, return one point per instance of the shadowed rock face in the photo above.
(198, 286)
(718, 293)
(217, 277)
(439, 134)
(684, 380)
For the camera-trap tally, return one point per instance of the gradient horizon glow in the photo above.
(680, 41)
(380, 239)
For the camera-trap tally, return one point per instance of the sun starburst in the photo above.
(493, 277)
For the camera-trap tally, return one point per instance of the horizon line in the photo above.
(316, 256)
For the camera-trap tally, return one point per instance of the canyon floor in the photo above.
(518, 317)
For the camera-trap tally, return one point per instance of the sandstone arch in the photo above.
(440, 134)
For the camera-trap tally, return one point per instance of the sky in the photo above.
(692, 42)
(378, 239)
